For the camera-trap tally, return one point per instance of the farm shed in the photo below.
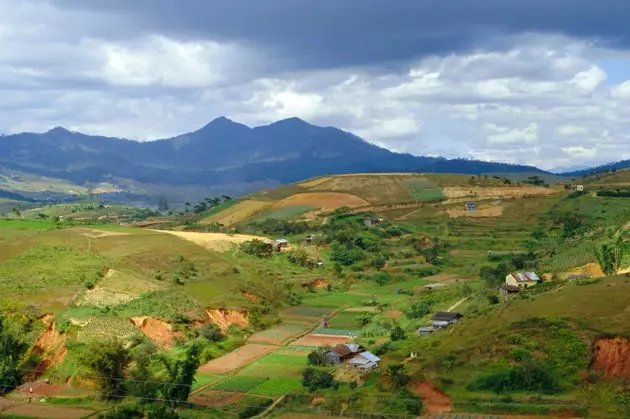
(470, 206)
(444, 318)
(280, 243)
(522, 279)
(332, 358)
(365, 361)
(424, 331)
(346, 350)
(369, 221)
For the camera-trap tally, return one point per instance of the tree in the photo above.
(107, 360)
(299, 256)
(142, 383)
(162, 203)
(397, 334)
(211, 332)
(397, 375)
(610, 252)
(12, 349)
(317, 357)
(364, 318)
(258, 248)
(180, 375)
(379, 262)
(16, 212)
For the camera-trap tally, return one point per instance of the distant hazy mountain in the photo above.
(219, 154)
(568, 169)
(622, 164)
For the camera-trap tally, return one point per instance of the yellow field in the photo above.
(314, 182)
(458, 193)
(322, 200)
(237, 213)
(219, 242)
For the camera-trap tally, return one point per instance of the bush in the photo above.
(381, 278)
(314, 379)
(532, 375)
(210, 332)
(257, 248)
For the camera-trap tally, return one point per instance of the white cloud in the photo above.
(571, 130)
(545, 101)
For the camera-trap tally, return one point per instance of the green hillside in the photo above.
(552, 350)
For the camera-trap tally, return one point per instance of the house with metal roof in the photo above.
(365, 361)
(522, 279)
(444, 318)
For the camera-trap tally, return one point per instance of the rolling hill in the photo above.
(223, 156)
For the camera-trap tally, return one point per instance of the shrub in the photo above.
(381, 278)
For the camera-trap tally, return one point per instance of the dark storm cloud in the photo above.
(338, 33)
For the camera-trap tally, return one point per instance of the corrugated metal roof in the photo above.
(370, 356)
(352, 346)
(525, 276)
(282, 241)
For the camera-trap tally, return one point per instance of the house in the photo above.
(435, 285)
(280, 243)
(369, 221)
(424, 331)
(444, 318)
(470, 206)
(579, 188)
(522, 279)
(342, 353)
(346, 350)
(365, 361)
(506, 289)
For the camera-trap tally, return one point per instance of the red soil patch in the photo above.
(237, 358)
(158, 330)
(40, 388)
(612, 357)
(251, 297)
(318, 283)
(224, 317)
(322, 200)
(393, 314)
(216, 398)
(49, 347)
(321, 340)
(434, 400)
(36, 410)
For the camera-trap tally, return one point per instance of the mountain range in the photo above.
(223, 156)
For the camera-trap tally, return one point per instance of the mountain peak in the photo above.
(58, 129)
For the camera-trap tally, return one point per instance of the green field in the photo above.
(345, 320)
(424, 190)
(289, 212)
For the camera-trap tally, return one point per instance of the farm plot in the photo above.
(304, 314)
(44, 266)
(345, 320)
(236, 358)
(335, 300)
(272, 375)
(273, 365)
(277, 335)
(117, 288)
(317, 340)
(289, 212)
(103, 327)
(215, 398)
(322, 200)
(236, 213)
(424, 190)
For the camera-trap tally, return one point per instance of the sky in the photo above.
(542, 82)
